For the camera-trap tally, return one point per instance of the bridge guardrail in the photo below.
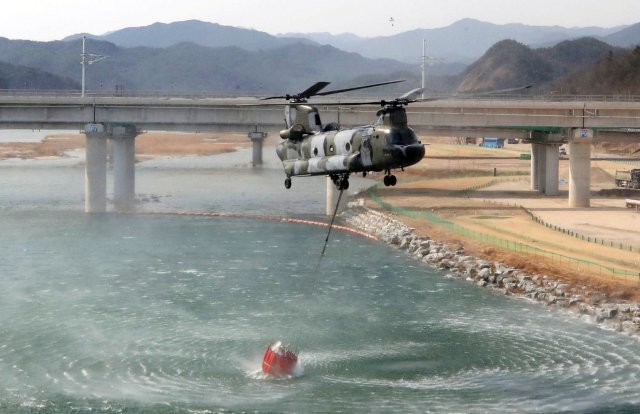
(364, 95)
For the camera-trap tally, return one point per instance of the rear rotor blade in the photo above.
(313, 90)
(307, 93)
(359, 87)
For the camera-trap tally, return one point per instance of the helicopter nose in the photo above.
(414, 152)
(410, 154)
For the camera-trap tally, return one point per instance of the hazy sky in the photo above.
(52, 20)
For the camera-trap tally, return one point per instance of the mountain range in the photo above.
(195, 56)
(191, 68)
(451, 47)
(213, 35)
(463, 41)
(23, 77)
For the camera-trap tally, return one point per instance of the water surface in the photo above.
(162, 313)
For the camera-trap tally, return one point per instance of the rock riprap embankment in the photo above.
(619, 315)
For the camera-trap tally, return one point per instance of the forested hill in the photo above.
(509, 64)
(617, 74)
(188, 67)
(22, 77)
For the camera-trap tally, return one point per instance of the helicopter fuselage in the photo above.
(311, 148)
(362, 149)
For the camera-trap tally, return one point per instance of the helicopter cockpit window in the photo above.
(404, 136)
(314, 121)
(290, 115)
(331, 126)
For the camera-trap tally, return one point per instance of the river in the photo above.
(171, 313)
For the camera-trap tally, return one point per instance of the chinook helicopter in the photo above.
(311, 148)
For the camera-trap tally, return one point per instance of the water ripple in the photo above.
(180, 326)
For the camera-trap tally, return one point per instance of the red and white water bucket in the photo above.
(278, 360)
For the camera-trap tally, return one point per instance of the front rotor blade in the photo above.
(412, 94)
(273, 97)
(519, 88)
(473, 95)
(347, 103)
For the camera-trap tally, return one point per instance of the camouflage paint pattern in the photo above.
(308, 150)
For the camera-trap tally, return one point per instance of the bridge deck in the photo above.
(199, 114)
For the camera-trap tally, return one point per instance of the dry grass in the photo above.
(432, 186)
(148, 145)
(614, 287)
(166, 144)
(52, 146)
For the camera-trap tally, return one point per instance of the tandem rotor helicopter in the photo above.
(310, 148)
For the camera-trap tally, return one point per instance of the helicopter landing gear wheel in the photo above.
(390, 180)
(287, 183)
(341, 181)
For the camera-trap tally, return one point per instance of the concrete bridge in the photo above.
(545, 123)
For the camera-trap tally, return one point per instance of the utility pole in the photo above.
(424, 65)
(84, 55)
(87, 59)
(426, 61)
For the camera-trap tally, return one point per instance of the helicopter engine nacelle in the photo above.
(295, 133)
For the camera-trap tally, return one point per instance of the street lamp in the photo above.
(87, 59)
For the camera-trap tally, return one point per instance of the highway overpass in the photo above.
(547, 123)
(214, 114)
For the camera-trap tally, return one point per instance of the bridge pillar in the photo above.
(580, 168)
(552, 169)
(545, 161)
(124, 159)
(538, 167)
(95, 171)
(542, 168)
(535, 166)
(332, 197)
(257, 138)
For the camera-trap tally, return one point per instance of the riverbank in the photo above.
(597, 245)
(149, 145)
(596, 306)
